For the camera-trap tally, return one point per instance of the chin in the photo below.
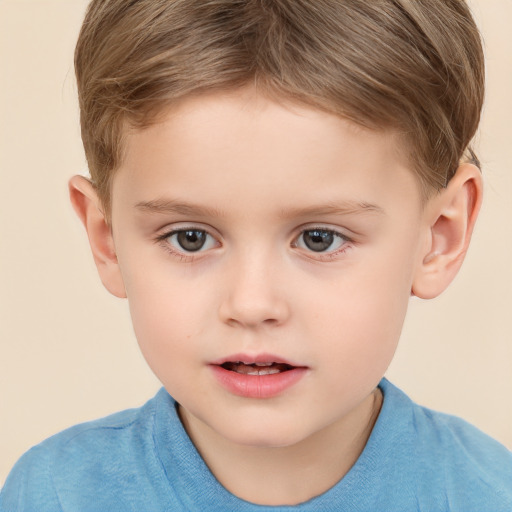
(263, 435)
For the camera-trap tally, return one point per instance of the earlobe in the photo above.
(451, 217)
(86, 204)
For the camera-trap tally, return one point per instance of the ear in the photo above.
(451, 217)
(87, 206)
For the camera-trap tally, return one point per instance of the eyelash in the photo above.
(191, 256)
(329, 255)
(182, 256)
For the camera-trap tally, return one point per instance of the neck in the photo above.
(291, 474)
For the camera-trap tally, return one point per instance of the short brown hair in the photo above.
(412, 65)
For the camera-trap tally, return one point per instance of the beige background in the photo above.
(67, 352)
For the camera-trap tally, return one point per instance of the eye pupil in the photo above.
(191, 240)
(318, 240)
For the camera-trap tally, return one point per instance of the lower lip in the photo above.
(257, 386)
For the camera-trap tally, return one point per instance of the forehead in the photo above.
(242, 144)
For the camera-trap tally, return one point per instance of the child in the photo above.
(271, 182)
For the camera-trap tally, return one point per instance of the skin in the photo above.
(267, 172)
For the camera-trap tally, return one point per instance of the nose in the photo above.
(254, 294)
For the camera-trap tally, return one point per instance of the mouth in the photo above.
(270, 368)
(261, 376)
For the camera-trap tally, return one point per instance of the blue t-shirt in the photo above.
(143, 460)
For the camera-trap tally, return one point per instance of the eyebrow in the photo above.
(334, 208)
(172, 206)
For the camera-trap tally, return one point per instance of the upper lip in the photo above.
(256, 358)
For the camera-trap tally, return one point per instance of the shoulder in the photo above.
(31, 467)
(468, 468)
(85, 456)
(454, 440)
(86, 440)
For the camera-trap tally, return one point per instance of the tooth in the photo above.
(263, 364)
(269, 371)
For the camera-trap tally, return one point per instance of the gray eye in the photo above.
(318, 240)
(190, 240)
(321, 240)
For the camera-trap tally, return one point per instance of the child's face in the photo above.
(304, 236)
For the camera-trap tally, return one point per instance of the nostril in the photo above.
(251, 322)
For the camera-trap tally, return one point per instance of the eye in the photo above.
(320, 240)
(190, 240)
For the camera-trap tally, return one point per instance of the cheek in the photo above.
(168, 315)
(364, 327)
(166, 331)
(362, 320)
